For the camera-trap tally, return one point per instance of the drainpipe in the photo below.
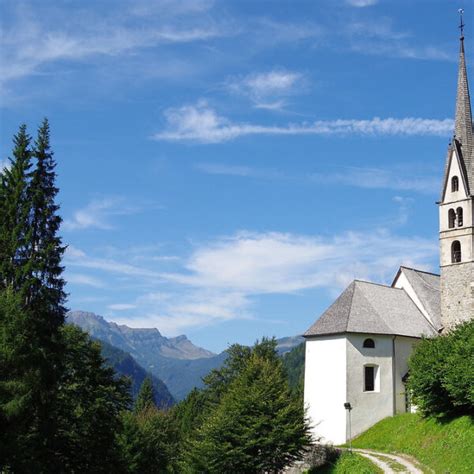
(394, 381)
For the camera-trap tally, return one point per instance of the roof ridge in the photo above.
(357, 280)
(419, 271)
(350, 306)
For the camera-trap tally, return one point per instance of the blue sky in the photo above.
(228, 167)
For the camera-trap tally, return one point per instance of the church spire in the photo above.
(463, 123)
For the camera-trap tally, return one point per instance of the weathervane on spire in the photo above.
(461, 25)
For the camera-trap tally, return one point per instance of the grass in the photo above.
(348, 464)
(444, 447)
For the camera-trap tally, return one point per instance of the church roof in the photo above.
(374, 309)
(427, 288)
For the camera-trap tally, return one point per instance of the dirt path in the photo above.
(389, 463)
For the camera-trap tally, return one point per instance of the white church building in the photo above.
(357, 351)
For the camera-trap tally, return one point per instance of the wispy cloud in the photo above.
(361, 3)
(87, 280)
(369, 178)
(35, 38)
(98, 213)
(378, 178)
(242, 171)
(221, 279)
(200, 123)
(258, 263)
(267, 90)
(121, 307)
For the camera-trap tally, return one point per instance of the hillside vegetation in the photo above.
(442, 446)
(124, 364)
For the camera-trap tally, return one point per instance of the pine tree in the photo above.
(146, 397)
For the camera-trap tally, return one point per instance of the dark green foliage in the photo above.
(253, 423)
(442, 373)
(293, 361)
(146, 398)
(148, 441)
(124, 364)
(30, 279)
(59, 406)
(91, 399)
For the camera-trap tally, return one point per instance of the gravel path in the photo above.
(382, 460)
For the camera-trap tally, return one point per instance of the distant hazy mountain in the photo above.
(125, 364)
(176, 361)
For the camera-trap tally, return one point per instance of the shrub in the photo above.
(442, 373)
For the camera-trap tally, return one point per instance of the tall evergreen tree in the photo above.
(146, 397)
(30, 276)
(17, 374)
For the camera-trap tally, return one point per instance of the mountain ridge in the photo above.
(176, 361)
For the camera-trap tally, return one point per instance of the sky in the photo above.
(226, 168)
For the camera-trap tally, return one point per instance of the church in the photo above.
(357, 351)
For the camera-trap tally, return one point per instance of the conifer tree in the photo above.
(31, 299)
(17, 376)
(145, 398)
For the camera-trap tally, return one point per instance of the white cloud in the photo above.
(220, 280)
(82, 279)
(121, 306)
(370, 178)
(264, 89)
(361, 3)
(378, 178)
(35, 39)
(259, 263)
(200, 123)
(98, 212)
(75, 257)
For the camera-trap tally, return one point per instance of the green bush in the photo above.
(442, 373)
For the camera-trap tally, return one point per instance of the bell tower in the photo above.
(456, 210)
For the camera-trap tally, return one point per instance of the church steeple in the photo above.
(456, 212)
(463, 123)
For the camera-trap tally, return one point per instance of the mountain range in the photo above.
(176, 361)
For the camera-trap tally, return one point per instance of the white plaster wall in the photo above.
(403, 348)
(369, 407)
(402, 282)
(454, 170)
(325, 387)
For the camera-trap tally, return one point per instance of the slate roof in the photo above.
(427, 288)
(374, 309)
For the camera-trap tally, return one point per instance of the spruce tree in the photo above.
(17, 374)
(30, 275)
(145, 398)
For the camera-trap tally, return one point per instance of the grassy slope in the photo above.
(349, 464)
(443, 447)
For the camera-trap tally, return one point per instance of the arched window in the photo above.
(451, 218)
(456, 251)
(459, 216)
(454, 184)
(369, 343)
(371, 378)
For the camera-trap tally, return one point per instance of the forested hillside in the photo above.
(124, 364)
